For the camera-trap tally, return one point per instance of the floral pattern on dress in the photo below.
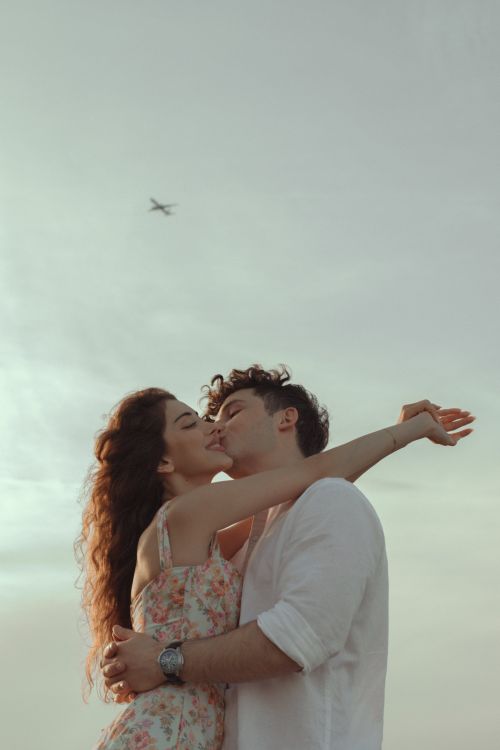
(195, 601)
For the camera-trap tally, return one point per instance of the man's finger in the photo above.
(110, 650)
(121, 698)
(111, 670)
(121, 688)
(122, 634)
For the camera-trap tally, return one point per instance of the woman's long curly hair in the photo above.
(123, 492)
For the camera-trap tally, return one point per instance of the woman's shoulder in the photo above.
(150, 533)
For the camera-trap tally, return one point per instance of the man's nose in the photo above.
(217, 429)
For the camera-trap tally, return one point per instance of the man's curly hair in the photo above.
(277, 393)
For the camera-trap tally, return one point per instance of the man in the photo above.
(315, 596)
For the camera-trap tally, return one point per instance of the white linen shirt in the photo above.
(317, 585)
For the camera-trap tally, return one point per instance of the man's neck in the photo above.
(267, 461)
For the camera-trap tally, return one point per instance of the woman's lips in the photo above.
(217, 447)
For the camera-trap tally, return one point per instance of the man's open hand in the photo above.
(130, 664)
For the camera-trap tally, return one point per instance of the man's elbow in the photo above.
(279, 663)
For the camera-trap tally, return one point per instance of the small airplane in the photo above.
(165, 207)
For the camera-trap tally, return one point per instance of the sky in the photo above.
(336, 169)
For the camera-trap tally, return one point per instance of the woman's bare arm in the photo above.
(211, 507)
(233, 538)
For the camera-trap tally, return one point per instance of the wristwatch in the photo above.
(171, 662)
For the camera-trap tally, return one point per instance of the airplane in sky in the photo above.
(165, 207)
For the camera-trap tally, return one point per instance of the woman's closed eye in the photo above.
(188, 426)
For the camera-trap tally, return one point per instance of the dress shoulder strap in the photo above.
(163, 538)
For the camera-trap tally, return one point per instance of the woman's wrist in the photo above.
(412, 429)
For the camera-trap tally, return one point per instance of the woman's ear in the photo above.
(166, 466)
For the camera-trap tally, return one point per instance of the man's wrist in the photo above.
(171, 662)
(184, 672)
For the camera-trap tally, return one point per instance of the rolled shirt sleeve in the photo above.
(333, 548)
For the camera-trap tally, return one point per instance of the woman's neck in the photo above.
(179, 485)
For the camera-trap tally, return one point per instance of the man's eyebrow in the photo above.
(231, 403)
(184, 414)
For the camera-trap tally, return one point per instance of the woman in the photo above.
(154, 557)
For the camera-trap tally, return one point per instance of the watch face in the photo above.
(169, 661)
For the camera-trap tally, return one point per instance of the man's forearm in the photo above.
(243, 655)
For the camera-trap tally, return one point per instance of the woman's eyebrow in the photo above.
(185, 414)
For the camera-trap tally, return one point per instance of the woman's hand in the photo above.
(411, 410)
(441, 428)
(444, 432)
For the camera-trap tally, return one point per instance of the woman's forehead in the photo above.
(176, 409)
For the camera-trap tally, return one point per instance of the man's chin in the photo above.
(235, 471)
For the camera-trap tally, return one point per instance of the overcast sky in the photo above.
(336, 169)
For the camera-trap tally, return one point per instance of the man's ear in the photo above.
(166, 466)
(288, 418)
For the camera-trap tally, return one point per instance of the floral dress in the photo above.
(192, 601)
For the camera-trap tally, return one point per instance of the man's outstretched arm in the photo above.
(242, 655)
